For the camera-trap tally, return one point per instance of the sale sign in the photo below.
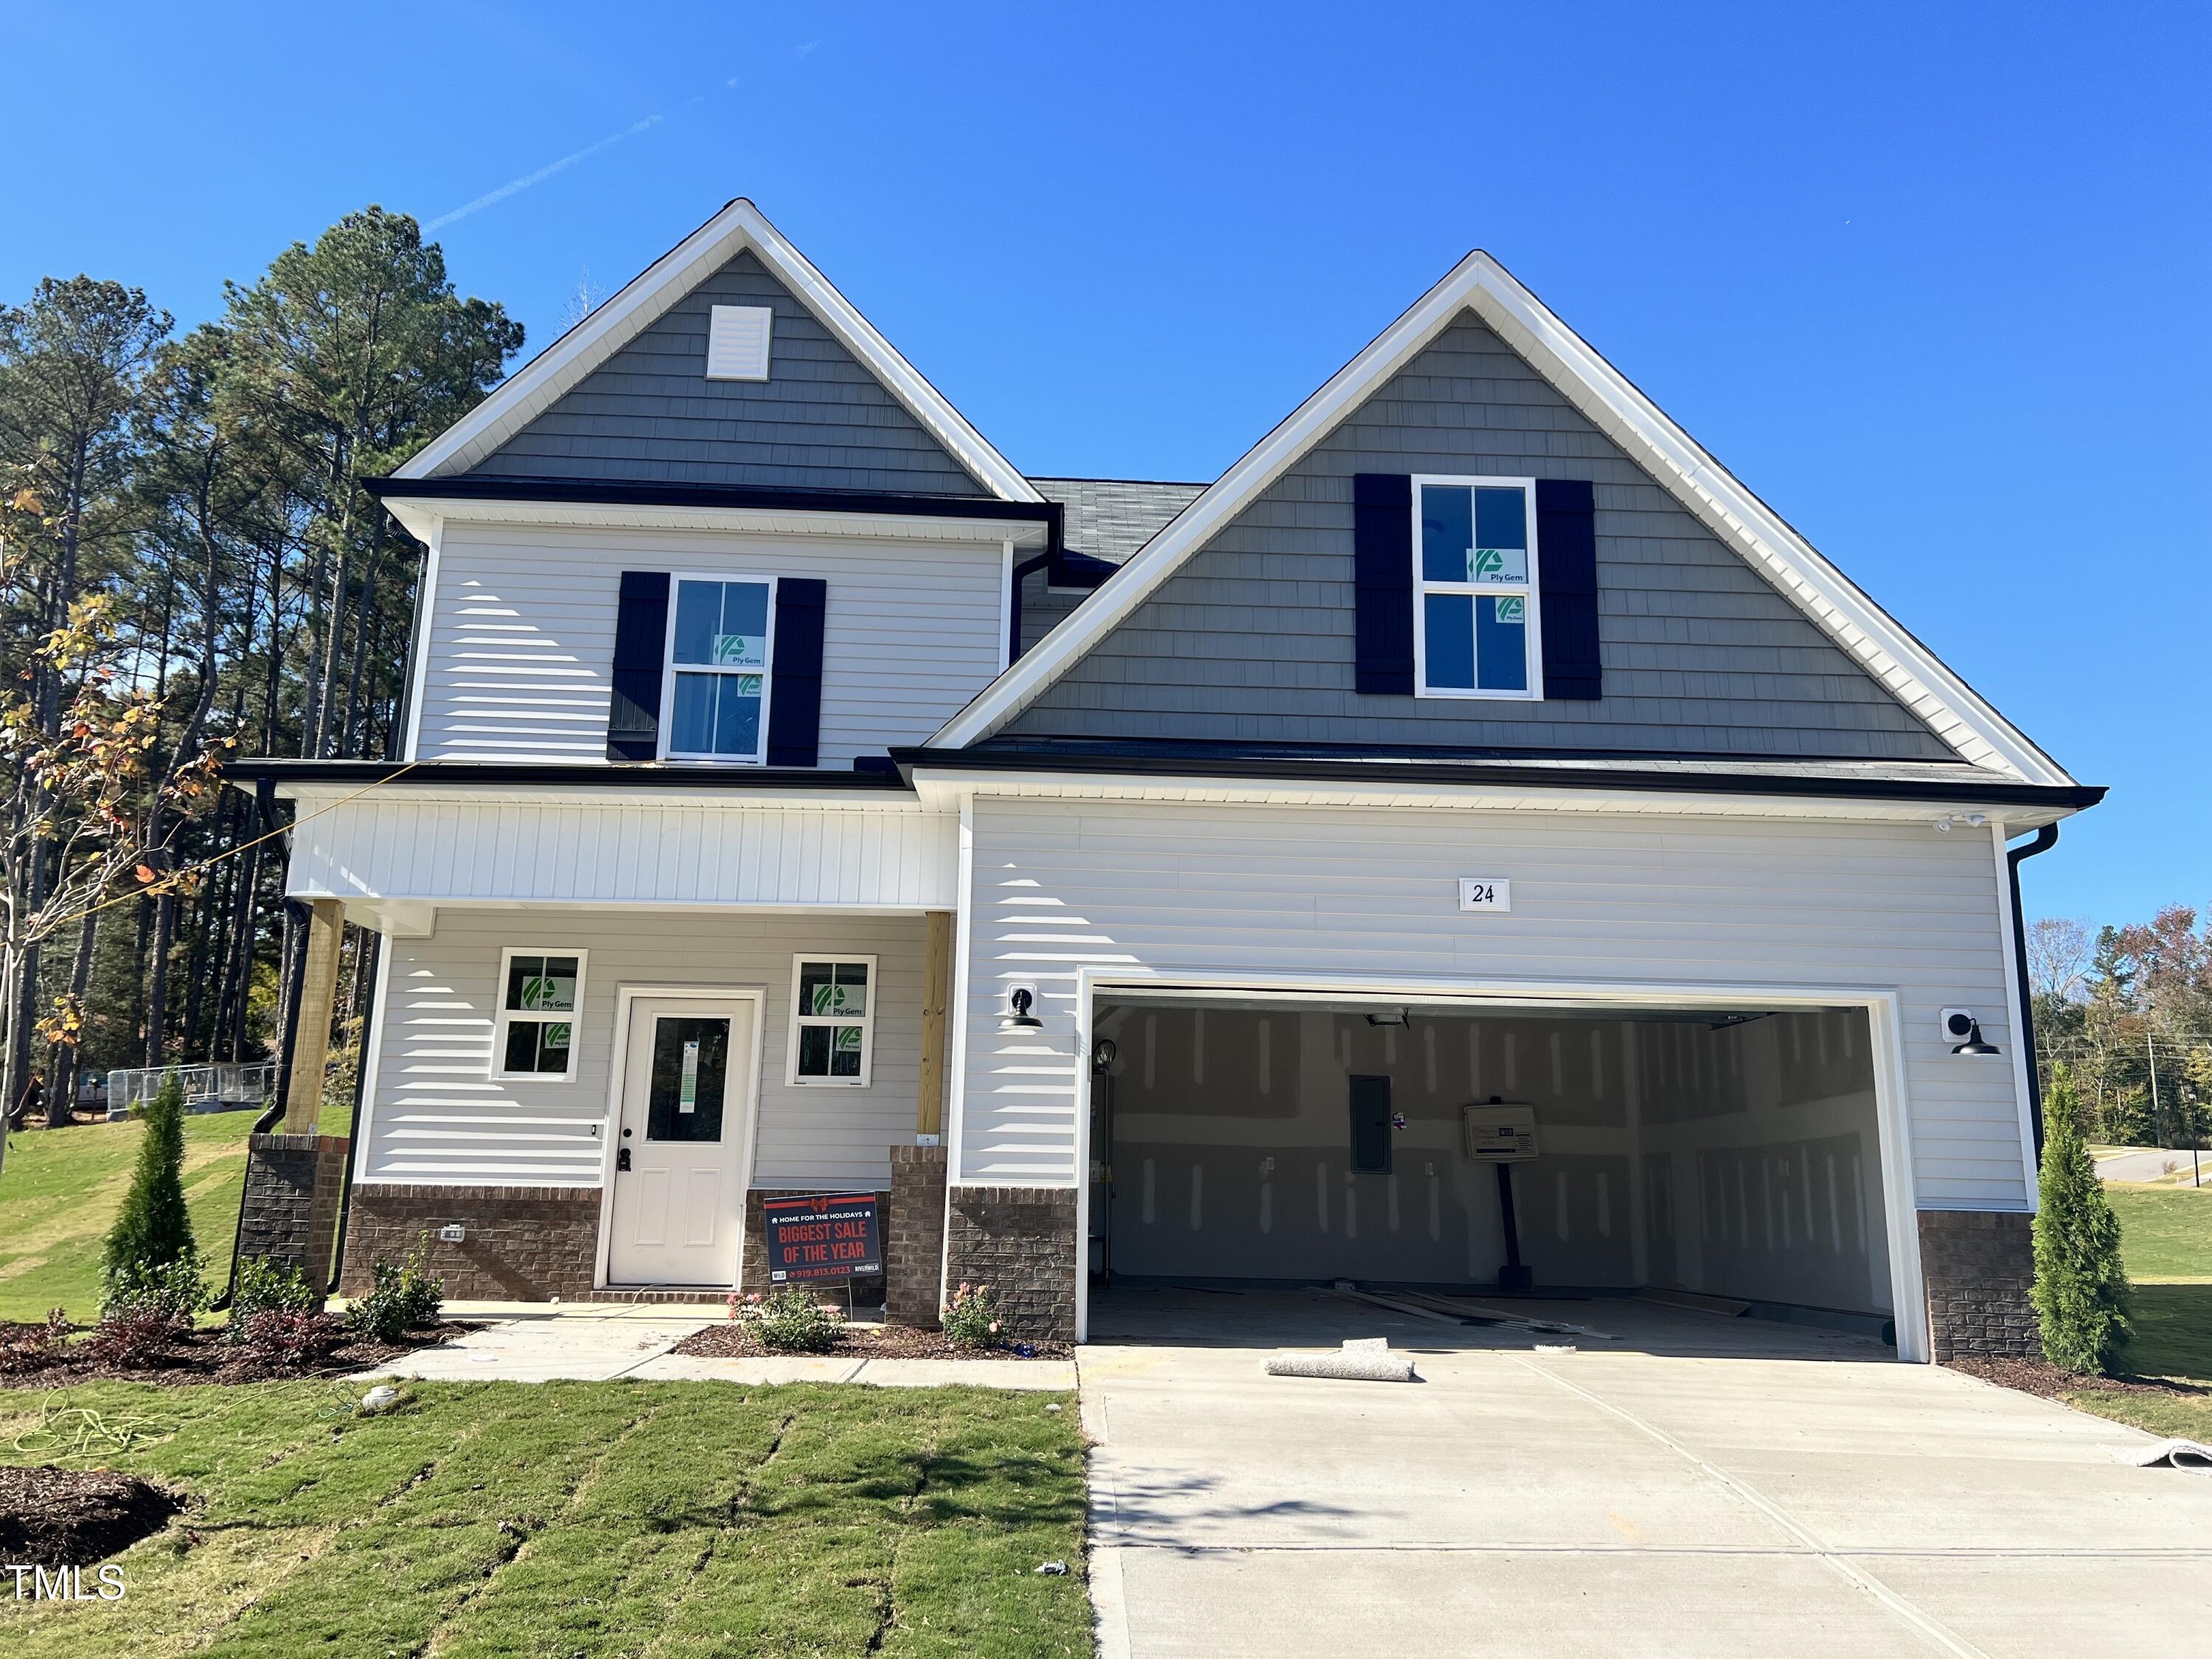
(823, 1236)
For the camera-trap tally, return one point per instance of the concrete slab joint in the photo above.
(1979, 1266)
(1021, 1242)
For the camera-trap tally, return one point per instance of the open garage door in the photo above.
(1733, 1155)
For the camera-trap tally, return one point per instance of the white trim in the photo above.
(800, 1019)
(1532, 650)
(1913, 674)
(666, 725)
(1007, 581)
(740, 227)
(433, 533)
(503, 1016)
(953, 1129)
(1892, 1111)
(2030, 1171)
(420, 514)
(625, 996)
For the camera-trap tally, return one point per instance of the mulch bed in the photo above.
(732, 1340)
(182, 1358)
(53, 1517)
(2039, 1376)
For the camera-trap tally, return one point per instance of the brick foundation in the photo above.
(523, 1243)
(752, 1269)
(289, 1212)
(1021, 1242)
(1980, 1266)
(914, 1236)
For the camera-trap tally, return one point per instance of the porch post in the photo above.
(303, 1088)
(936, 1002)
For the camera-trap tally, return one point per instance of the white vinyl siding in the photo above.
(522, 634)
(1156, 889)
(438, 1117)
(682, 849)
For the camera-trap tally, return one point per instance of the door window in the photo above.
(691, 1071)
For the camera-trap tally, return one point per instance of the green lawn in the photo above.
(600, 1519)
(61, 1188)
(2166, 1235)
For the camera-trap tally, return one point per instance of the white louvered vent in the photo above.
(736, 343)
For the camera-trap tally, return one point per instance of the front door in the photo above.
(679, 1194)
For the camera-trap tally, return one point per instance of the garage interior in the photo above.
(1731, 1155)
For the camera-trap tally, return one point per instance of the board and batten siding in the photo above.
(522, 634)
(679, 850)
(438, 1116)
(1153, 889)
(1251, 640)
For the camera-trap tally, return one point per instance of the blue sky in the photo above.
(1931, 279)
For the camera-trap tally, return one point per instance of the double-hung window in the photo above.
(719, 668)
(1475, 588)
(832, 1019)
(539, 993)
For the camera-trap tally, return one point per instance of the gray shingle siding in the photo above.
(1252, 639)
(820, 420)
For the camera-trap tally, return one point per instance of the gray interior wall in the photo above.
(820, 420)
(1252, 639)
(1741, 1163)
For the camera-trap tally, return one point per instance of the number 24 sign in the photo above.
(1484, 893)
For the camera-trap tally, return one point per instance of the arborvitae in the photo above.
(154, 1228)
(2081, 1287)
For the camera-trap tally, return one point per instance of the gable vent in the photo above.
(736, 343)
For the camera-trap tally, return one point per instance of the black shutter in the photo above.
(794, 704)
(1383, 583)
(1566, 575)
(641, 641)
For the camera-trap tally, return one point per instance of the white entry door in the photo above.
(678, 1198)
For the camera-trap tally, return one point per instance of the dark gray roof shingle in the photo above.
(1110, 518)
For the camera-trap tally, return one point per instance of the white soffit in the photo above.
(1952, 709)
(538, 385)
(422, 515)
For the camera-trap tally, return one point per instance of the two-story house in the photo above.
(1473, 841)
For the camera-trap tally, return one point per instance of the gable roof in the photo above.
(538, 385)
(1110, 518)
(1912, 673)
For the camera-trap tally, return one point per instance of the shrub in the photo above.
(153, 1229)
(267, 1285)
(2081, 1288)
(131, 1338)
(401, 1298)
(34, 1347)
(790, 1320)
(971, 1318)
(172, 1290)
(289, 1338)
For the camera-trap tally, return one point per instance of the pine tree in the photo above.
(2081, 1288)
(154, 1228)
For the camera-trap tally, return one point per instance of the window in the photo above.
(717, 669)
(1475, 587)
(535, 1036)
(832, 1019)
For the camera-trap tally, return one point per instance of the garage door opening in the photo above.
(1730, 1154)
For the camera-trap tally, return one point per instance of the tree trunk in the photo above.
(157, 980)
(62, 1101)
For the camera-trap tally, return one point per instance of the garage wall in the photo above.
(1743, 1161)
(439, 1117)
(1157, 889)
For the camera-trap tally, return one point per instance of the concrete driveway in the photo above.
(1695, 1485)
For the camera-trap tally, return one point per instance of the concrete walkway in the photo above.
(597, 1342)
(1695, 1485)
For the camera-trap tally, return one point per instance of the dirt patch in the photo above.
(2039, 1376)
(732, 1340)
(54, 1518)
(41, 1357)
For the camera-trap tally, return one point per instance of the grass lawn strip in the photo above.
(672, 1518)
(2166, 1235)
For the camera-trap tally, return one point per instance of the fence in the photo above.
(216, 1087)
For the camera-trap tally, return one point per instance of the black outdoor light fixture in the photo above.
(1388, 1017)
(1103, 1054)
(1975, 1044)
(1019, 1001)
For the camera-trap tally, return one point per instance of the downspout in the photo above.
(2046, 839)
